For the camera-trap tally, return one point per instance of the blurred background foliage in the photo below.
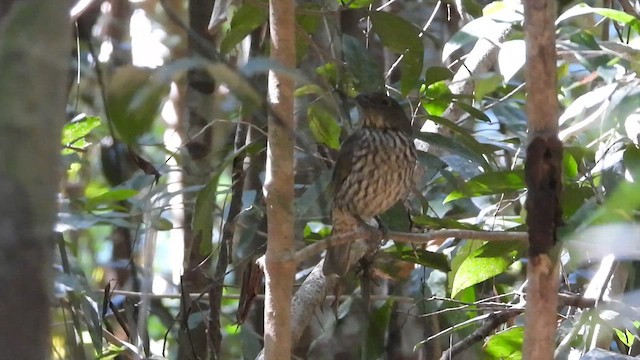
(164, 153)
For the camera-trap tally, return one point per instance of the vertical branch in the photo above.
(278, 187)
(543, 177)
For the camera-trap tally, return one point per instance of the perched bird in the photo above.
(374, 170)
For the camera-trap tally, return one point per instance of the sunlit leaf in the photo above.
(505, 345)
(78, 128)
(477, 268)
(324, 126)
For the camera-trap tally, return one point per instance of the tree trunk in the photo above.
(34, 48)
(543, 174)
(279, 263)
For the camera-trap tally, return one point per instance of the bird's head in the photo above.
(380, 111)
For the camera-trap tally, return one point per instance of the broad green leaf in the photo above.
(366, 72)
(436, 97)
(435, 223)
(435, 74)
(246, 19)
(473, 111)
(324, 126)
(162, 224)
(574, 197)
(485, 84)
(490, 183)
(134, 97)
(462, 134)
(403, 38)
(505, 345)
(477, 268)
(631, 159)
(78, 128)
(570, 165)
(425, 258)
(453, 146)
(396, 218)
(110, 197)
(466, 249)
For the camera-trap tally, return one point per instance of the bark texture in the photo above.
(35, 40)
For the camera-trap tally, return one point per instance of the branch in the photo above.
(403, 237)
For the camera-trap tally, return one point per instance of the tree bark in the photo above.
(34, 48)
(543, 178)
(279, 262)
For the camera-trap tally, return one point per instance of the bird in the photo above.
(374, 170)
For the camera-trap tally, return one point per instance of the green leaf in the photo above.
(435, 97)
(355, 4)
(309, 22)
(78, 128)
(133, 100)
(309, 89)
(323, 126)
(425, 258)
(110, 197)
(473, 111)
(573, 197)
(365, 70)
(485, 84)
(202, 222)
(462, 134)
(505, 345)
(329, 72)
(435, 74)
(495, 182)
(246, 19)
(456, 147)
(477, 267)
(403, 38)
(435, 223)
(377, 330)
(631, 160)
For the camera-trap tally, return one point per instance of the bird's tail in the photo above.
(337, 260)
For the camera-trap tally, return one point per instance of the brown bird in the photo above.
(373, 171)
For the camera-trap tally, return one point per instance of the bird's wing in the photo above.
(344, 163)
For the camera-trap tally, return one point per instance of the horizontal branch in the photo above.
(372, 234)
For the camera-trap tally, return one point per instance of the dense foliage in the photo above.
(140, 186)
